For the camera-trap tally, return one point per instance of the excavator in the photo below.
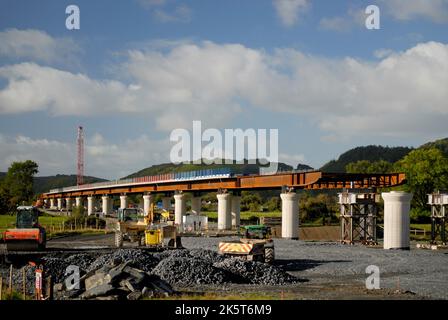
(152, 231)
(28, 234)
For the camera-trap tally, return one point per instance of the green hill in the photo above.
(441, 144)
(169, 167)
(370, 153)
(44, 184)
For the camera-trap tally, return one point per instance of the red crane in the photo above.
(80, 141)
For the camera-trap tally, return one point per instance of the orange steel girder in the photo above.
(313, 180)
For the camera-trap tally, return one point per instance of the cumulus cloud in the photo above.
(103, 158)
(401, 93)
(434, 10)
(167, 11)
(37, 46)
(290, 10)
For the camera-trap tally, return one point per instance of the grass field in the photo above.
(7, 221)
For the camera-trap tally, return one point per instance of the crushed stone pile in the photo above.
(254, 272)
(150, 270)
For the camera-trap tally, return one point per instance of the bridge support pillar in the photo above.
(68, 204)
(235, 211)
(52, 204)
(90, 205)
(166, 203)
(123, 201)
(106, 204)
(397, 205)
(179, 210)
(78, 201)
(290, 215)
(59, 204)
(147, 202)
(196, 205)
(224, 213)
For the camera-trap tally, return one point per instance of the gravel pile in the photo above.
(189, 271)
(139, 259)
(177, 267)
(254, 272)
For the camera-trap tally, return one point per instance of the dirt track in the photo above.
(327, 270)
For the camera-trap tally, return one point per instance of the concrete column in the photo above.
(290, 215)
(45, 203)
(52, 204)
(196, 204)
(235, 211)
(179, 210)
(123, 202)
(166, 203)
(59, 203)
(78, 201)
(224, 215)
(68, 204)
(90, 205)
(397, 205)
(147, 202)
(106, 205)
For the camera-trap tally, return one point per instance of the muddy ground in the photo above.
(327, 270)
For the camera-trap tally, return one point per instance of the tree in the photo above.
(426, 171)
(365, 166)
(18, 183)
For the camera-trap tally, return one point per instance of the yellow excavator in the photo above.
(152, 230)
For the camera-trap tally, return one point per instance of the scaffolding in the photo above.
(358, 214)
(439, 214)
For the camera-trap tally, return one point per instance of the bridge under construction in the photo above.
(228, 187)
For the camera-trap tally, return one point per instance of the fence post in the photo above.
(1, 288)
(10, 279)
(24, 283)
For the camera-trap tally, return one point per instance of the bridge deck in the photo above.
(314, 180)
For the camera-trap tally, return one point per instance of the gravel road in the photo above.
(327, 270)
(422, 272)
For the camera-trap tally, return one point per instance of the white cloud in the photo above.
(32, 87)
(290, 10)
(103, 159)
(181, 13)
(434, 10)
(163, 12)
(340, 24)
(37, 46)
(402, 93)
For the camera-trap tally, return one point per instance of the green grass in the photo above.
(7, 221)
(246, 215)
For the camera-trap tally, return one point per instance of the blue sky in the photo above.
(138, 69)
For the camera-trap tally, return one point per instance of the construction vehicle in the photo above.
(256, 244)
(149, 231)
(28, 234)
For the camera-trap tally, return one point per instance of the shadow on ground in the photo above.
(303, 264)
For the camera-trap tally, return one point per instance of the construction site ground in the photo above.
(327, 270)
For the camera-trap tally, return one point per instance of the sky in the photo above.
(136, 70)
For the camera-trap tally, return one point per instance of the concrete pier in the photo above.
(147, 202)
(224, 213)
(290, 215)
(123, 202)
(235, 211)
(179, 210)
(397, 205)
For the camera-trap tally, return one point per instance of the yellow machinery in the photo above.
(162, 236)
(149, 231)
